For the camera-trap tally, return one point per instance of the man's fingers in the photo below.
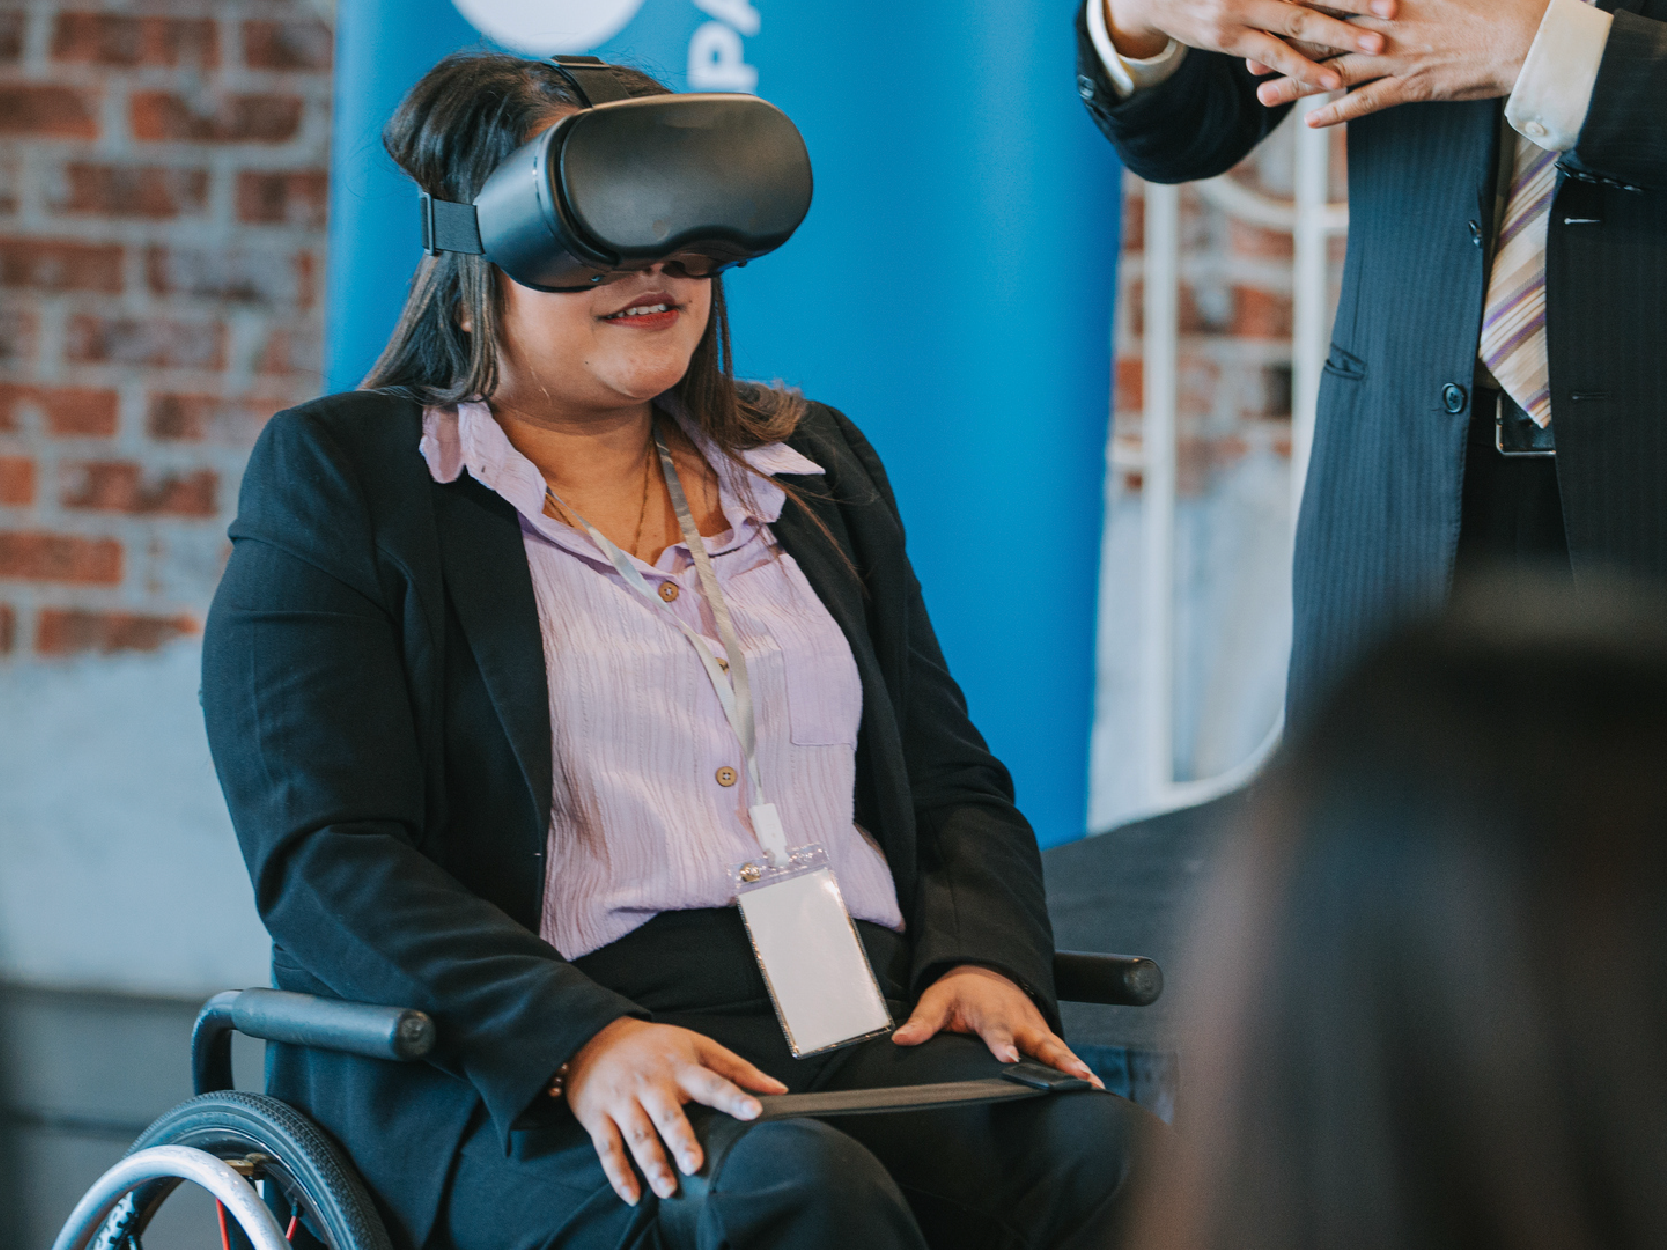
(1282, 58)
(1314, 30)
(1354, 70)
(675, 1130)
(615, 1166)
(643, 1142)
(1384, 9)
(1372, 98)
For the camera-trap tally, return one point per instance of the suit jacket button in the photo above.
(1085, 87)
(1454, 397)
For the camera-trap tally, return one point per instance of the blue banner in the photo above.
(950, 291)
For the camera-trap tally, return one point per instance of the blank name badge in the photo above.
(818, 973)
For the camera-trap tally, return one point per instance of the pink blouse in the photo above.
(650, 804)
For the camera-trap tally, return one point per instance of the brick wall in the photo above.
(162, 213)
(1234, 356)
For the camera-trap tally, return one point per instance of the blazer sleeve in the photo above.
(979, 896)
(1199, 122)
(1624, 139)
(310, 721)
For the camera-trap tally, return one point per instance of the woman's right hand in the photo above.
(628, 1085)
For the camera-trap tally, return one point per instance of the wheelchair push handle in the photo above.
(397, 1033)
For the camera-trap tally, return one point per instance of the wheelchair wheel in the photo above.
(303, 1176)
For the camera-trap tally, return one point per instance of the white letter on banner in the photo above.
(716, 61)
(738, 13)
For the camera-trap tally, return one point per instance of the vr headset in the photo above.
(697, 183)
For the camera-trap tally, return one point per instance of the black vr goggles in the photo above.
(697, 183)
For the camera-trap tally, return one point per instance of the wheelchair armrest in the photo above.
(303, 1020)
(1115, 980)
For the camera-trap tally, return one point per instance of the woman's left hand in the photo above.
(974, 999)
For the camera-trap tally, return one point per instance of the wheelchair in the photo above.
(281, 1184)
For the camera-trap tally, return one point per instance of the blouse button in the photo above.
(726, 776)
(669, 591)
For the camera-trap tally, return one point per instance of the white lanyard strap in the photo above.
(734, 691)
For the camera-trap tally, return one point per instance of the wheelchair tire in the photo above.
(305, 1173)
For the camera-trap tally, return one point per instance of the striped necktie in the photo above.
(1513, 328)
(1513, 325)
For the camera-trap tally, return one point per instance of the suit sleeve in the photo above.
(1624, 139)
(310, 723)
(1199, 122)
(979, 897)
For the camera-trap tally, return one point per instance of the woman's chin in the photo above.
(646, 384)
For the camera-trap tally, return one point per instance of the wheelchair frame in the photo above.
(223, 1140)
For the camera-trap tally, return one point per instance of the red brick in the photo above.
(146, 341)
(233, 276)
(8, 183)
(210, 419)
(41, 557)
(69, 631)
(290, 351)
(18, 334)
(161, 116)
(8, 628)
(1255, 241)
(17, 481)
(112, 39)
(294, 197)
(118, 486)
(1131, 384)
(287, 45)
(1134, 224)
(11, 37)
(46, 111)
(151, 191)
(1259, 314)
(60, 265)
(70, 411)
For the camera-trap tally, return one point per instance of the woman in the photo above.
(1432, 1003)
(473, 772)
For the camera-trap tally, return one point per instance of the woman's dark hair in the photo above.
(454, 128)
(1431, 997)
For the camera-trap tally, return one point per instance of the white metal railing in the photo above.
(1312, 220)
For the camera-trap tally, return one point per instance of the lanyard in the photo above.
(734, 691)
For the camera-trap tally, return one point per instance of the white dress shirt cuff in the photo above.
(1554, 89)
(1128, 74)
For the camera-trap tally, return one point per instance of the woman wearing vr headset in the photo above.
(512, 643)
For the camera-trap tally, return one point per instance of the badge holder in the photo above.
(820, 980)
(807, 947)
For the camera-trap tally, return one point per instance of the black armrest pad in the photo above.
(1115, 980)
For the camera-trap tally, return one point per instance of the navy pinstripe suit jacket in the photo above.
(1380, 519)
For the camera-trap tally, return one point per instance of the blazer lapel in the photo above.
(490, 587)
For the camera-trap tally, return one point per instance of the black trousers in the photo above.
(1511, 514)
(1046, 1172)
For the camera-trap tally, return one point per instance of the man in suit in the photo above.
(1496, 390)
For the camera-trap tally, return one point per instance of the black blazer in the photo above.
(373, 681)
(1380, 518)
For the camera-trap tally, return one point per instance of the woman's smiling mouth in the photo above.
(653, 311)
